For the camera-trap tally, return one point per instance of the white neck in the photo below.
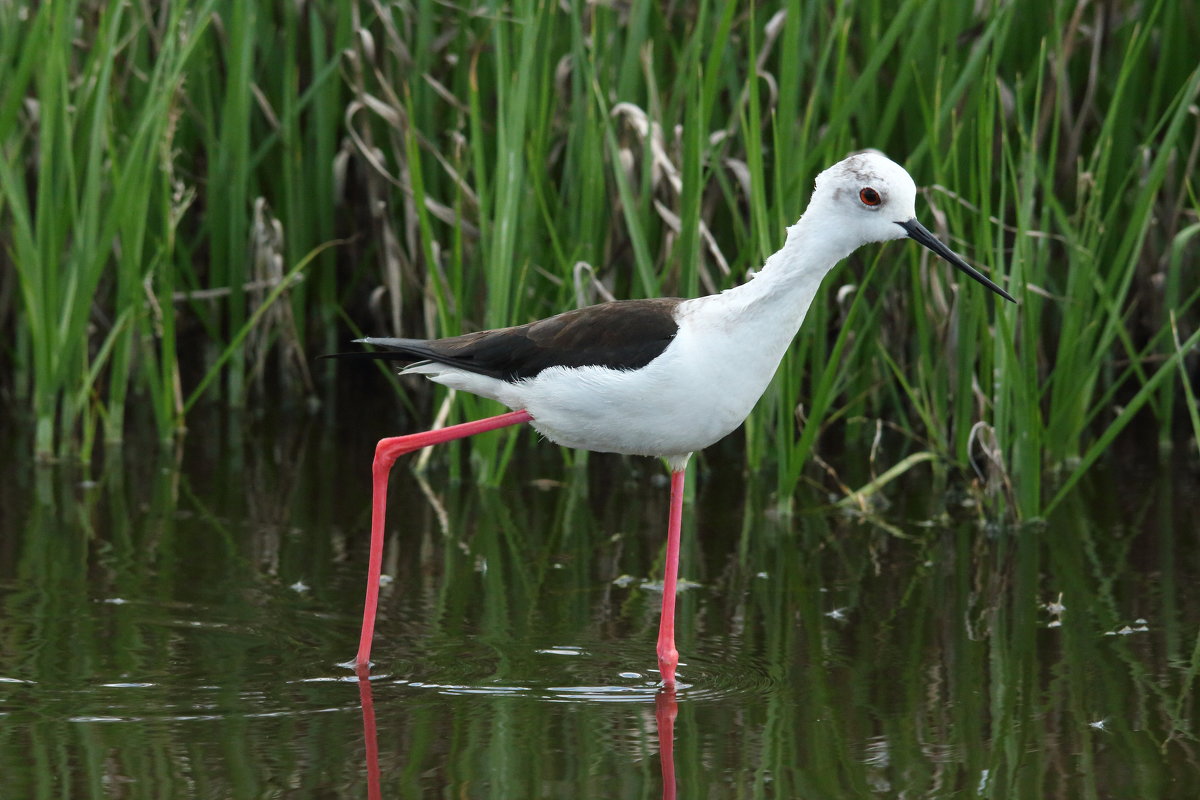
(783, 289)
(730, 344)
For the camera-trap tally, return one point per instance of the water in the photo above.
(181, 629)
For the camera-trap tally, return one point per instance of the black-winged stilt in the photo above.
(660, 377)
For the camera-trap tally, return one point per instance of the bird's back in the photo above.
(625, 334)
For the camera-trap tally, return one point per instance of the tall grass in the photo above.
(163, 173)
(81, 193)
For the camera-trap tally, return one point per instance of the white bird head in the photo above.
(873, 199)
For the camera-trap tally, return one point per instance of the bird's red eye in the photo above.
(870, 197)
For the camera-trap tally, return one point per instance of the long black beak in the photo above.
(919, 233)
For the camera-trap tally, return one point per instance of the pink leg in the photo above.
(668, 656)
(386, 453)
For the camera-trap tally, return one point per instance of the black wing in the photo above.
(626, 334)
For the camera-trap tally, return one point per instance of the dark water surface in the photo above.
(180, 630)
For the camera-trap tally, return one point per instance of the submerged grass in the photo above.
(170, 181)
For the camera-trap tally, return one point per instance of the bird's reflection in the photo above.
(372, 745)
(665, 710)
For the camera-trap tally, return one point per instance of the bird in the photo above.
(662, 377)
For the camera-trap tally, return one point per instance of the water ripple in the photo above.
(598, 672)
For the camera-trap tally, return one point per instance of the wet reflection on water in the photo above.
(666, 708)
(172, 632)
